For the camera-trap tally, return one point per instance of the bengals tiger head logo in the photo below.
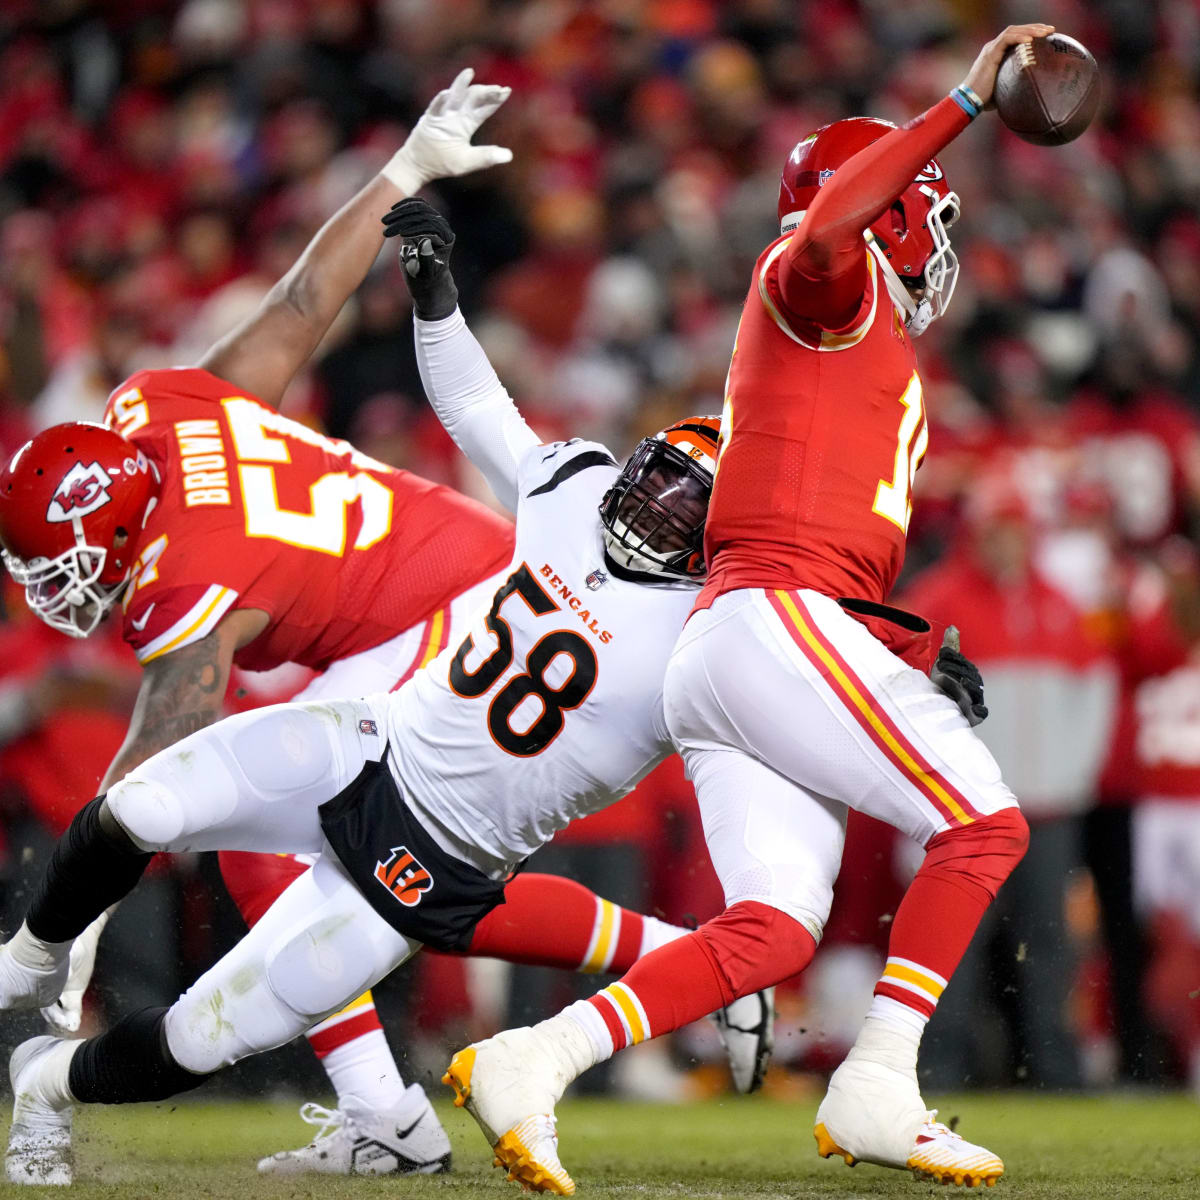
(82, 491)
(403, 876)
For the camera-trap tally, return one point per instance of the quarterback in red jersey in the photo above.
(230, 534)
(792, 692)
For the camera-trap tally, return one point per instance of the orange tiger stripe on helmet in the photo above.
(697, 438)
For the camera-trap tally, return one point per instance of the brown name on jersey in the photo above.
(202, 456)
(575, 604)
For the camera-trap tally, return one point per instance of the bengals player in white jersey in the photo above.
(418, 804)
(230, 534)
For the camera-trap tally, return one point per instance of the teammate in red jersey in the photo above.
(792, 692)
(232, 535)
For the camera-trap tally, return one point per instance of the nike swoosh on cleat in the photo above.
(403, 1133)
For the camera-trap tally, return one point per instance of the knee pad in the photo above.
(983, 853)
(316, 970)
(753, 946)
(150, 811)
(286, 749)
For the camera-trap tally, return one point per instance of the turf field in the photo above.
(1094, 1148)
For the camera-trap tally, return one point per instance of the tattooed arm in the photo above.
(182, 692)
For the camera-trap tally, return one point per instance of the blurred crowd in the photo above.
(163, 162)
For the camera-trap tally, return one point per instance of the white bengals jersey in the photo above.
(552, 706)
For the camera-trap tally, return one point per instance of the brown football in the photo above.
(1048, 90)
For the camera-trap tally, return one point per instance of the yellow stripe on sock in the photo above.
(637, 1031)
(600, 952)
(362, 1002)
(921, 980)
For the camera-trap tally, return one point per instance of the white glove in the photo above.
(440, 145)
(66, 1013)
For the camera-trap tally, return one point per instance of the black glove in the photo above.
(425, 256)
(959, 678)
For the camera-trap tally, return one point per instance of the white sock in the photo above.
(657, 933)
(53, 1074)
(32, 952)
(578, 1035)
(888, 1036)
(365, 1068)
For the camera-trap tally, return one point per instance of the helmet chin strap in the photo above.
(918, 314)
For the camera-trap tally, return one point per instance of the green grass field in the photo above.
(1061, 1148)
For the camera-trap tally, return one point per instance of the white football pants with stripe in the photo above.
(786, 710)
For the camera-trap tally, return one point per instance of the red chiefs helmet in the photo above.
(67, 498)
(654, 514)
(912, 235)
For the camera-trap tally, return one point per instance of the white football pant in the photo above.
(255, 782)
(786, 710)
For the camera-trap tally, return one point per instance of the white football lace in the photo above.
(327, 1120)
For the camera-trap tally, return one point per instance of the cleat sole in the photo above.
(513, 1156)
(458, 1075)
(984, 1177)
(827, 1147)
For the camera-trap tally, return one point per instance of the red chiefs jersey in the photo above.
(257, 511)
(821, 435)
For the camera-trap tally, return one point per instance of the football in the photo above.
(1048, 90)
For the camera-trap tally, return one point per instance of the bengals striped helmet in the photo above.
(653, 515)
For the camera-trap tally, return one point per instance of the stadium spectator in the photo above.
(1052, 694)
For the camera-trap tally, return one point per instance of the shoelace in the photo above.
(937, 1126)
(327, 1120)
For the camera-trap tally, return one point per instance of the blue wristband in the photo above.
(967, 101)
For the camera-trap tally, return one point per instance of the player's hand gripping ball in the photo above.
(1048, 90)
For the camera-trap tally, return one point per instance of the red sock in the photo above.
(255, 881)
(963, 869)
(750, 946)
(548, 921)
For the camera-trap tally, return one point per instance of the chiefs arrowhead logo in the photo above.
(82, 491)
(404, 877)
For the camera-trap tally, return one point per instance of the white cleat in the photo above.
(31, 977)
(510, 1084)
(357, 1140)
(874, 1113)
(747, 1029)
(39, 1141)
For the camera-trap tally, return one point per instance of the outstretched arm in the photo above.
(823, 271)
(468, 397)
(269, 347)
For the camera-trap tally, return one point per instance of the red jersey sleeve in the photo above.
(169, 618)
